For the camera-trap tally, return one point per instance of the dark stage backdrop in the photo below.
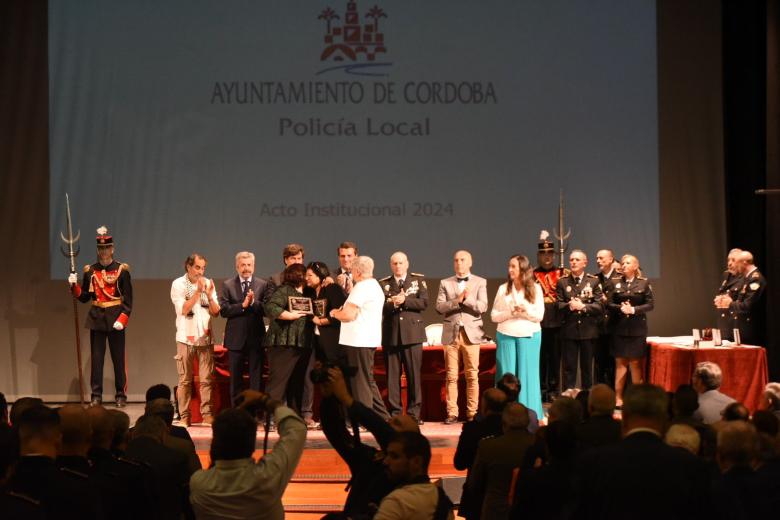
(36, 323)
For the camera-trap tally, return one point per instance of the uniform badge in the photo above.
(423, 284)
(387, 287)
(754, 286)
(617, 286)
(568, 288)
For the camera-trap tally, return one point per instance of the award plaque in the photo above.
(300, 304)
(319, 307)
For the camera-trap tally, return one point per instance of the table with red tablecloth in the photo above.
(432, 380)
(745, 372)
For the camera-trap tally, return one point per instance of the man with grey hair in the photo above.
(729, 286)
(611, 479)
(403, 333)
(706, 380)
(745, 311)
(241, 301)
(361, 332)
(683, 436)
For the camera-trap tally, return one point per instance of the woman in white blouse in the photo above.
(518, 309)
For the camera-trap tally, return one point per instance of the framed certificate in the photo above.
(300, 304)
(319, 307)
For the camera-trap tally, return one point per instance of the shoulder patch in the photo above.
(87, 268)
(126, 267)
(755, 274)
(754, 286)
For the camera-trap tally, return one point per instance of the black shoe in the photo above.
(451, 420)
(121, 402)
(96, 401)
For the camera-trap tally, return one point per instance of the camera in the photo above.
(320, 375)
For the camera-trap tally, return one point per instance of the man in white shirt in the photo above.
(194, 299)
(361, 332)
(236, 486)
(415, 497)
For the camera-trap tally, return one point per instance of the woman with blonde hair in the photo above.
(630, 298)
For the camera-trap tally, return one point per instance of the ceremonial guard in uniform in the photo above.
(106, 284)
(603, 362)
(547, 276)
(403, 333)
(730, 286)
(579, 303)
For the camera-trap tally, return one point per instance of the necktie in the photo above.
(464, 279)
(245, 287)
(401, 283)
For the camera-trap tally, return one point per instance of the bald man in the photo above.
(746, 309)
(462, 299)
(729, 285)
(403, 333)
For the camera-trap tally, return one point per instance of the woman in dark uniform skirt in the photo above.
(630, 299)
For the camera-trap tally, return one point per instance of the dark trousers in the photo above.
(116, 346)
(255, 355)
(571, 350)
(408, 357)
(604, 363)
(362, 383)
(286, 371)
(550, 359)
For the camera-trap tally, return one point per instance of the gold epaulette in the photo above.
(418, 275)
(592, 276)
(386, 278)
(87, 268)
(126, 267)
(755, 274)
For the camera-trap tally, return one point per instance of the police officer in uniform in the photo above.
(403, 333)
(604, 363)
(630, 299)
(729, 286)
(579, 303)
(547, 275)
(106, 284)
(745, 310)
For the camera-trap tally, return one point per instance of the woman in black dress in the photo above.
(326, 332)
(630, 298)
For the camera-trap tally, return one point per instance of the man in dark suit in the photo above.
(347, 252)
(600, 428)
(291, 254)
(403, 333)
(170, 472)
(641, 477)
(241, 302)
(490, 478)
(579, 298)
(729, 286)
